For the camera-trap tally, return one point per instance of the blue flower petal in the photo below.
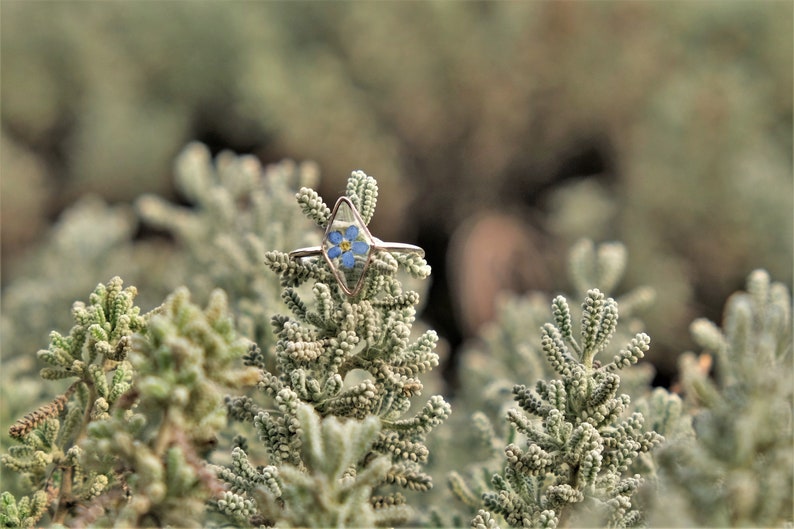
(335, 237)
(348, 261)
(360, 247)
(351, 233)
(334, 251)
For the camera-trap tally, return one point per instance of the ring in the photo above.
(348, 247)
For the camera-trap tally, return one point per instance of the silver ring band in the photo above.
(401, 247)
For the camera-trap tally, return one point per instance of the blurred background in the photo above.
(499, 132)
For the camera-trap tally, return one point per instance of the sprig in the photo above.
(578, 447)
(340, 358)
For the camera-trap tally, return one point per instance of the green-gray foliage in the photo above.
(326, 491)
(509, 348)
(739, 472)
(576, 444)
(124, 445)
(508, 351)
(156, 445)
(95, 354)
(352, 358)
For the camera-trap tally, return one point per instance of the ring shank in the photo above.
(305, 252)
(400, 247)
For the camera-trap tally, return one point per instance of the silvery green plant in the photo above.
(324, 491)
(572, 442)
(739, 390)
(349, 357)
(509, 351)
(93, 356)
(185, 362)
(125, 444)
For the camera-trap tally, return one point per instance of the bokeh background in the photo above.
(499, 132)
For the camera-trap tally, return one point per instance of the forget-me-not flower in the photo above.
(346, 245)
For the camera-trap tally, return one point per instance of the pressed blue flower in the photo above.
(346, 245)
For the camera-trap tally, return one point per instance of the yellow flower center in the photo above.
(345, 246)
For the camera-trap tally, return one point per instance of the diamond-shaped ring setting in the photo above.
(348, 247)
